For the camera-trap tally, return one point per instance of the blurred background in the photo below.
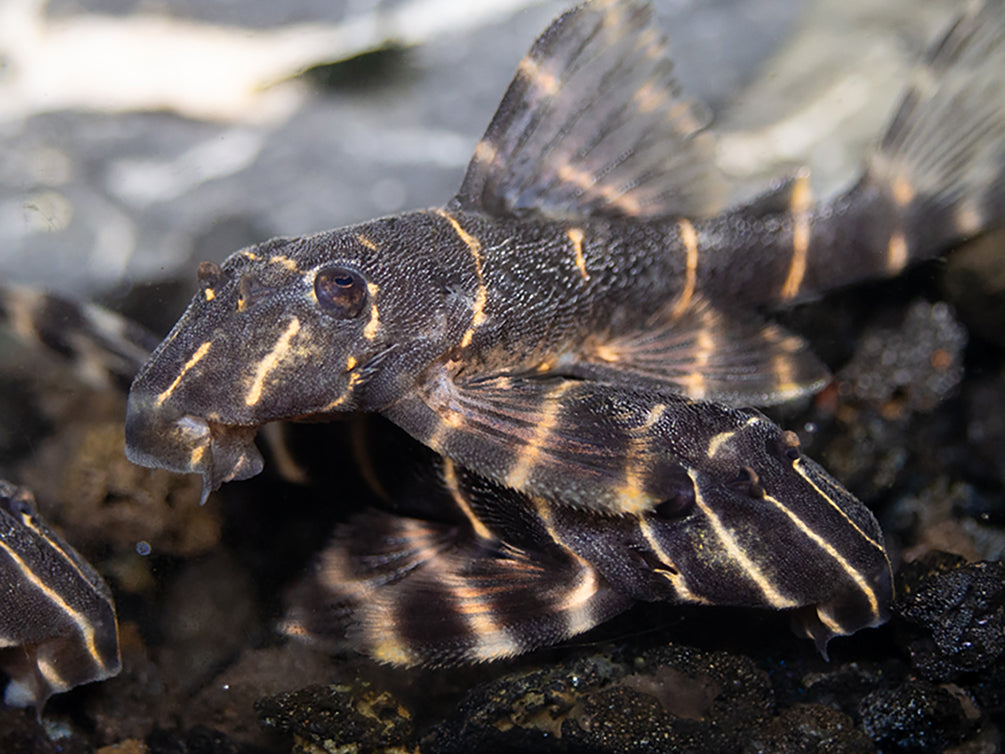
(140, 137)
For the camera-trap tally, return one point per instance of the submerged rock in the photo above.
(666, 699)
(916, 716)
(960, 610)
(810, 727)
(342, 717)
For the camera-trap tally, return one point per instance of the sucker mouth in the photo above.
(159, 438)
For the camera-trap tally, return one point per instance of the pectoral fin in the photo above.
(577, 442)
(594, 124)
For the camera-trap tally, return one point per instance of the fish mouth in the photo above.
(158, 438)
(848, 611)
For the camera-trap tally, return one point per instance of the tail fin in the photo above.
(105, 348)
(941, 164)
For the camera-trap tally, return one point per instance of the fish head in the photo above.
(299, 328)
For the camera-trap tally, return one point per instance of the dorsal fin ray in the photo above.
(594, 123)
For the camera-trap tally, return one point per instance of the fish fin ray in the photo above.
(707, 353)
(594, 123)
(460, 602)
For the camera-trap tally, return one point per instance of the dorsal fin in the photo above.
(594, 123)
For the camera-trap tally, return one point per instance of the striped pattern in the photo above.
(53, 605)
(573, 328)
(410, 592)
(750, 522)
(607, 57)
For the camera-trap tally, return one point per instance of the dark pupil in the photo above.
(341, 292)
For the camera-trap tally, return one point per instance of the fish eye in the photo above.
(340, 291)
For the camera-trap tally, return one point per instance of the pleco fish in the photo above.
(467, 570)
(528, 330)
(57, 619)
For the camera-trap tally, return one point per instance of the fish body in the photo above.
(467, 570)
(575, 325)
(579, 247)
(57, 620)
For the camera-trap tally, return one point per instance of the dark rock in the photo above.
(345, 717)
(196, 741)
(961, 610)
(21, 733)
(667, 699)
(810, 728)
(914, 717)
(845, 686)
(988, 691)
(918, 363)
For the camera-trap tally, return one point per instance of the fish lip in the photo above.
(160, 437)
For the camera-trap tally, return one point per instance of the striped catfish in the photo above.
(578, 249)
(466, 570)
(57, 619)
(469, 570)
(573, 322)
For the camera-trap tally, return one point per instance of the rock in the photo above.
(344, 717)
(916, 716)
(960, 608)
(810, 727)
(666, 699)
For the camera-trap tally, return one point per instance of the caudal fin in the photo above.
(941, 163)
(410, 592)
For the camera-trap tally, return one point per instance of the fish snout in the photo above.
(159, 436)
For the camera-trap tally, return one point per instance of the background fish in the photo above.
(57, 619)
